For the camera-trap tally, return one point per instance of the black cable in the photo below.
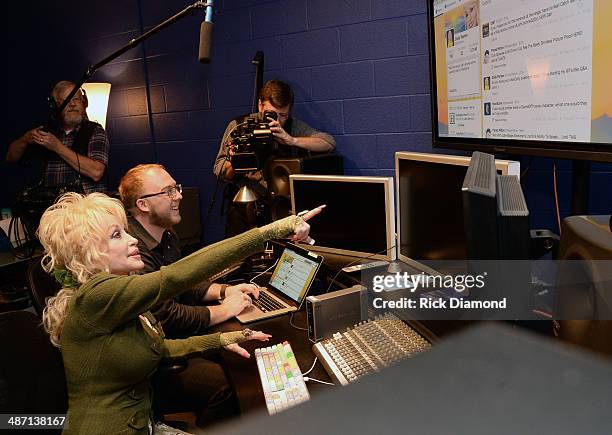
(526, 170)
(21, 250)
(556, 194)
(294, 325)
(79, 180)
(213, 200)
(12, 234)
(255, 96)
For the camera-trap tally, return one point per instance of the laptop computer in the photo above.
(288, 286)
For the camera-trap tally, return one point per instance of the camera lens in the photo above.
(270, 114)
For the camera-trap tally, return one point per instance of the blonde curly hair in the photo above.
(73, 233)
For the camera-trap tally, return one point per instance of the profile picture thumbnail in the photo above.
(471, 14)
(485, 30)
(450, 38)
(486, 85)
(487, 109)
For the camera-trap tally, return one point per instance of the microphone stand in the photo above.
(200, 4)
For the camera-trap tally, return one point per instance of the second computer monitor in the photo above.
(430, 210)
(359, 219)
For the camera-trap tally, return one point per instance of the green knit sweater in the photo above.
(110, 352)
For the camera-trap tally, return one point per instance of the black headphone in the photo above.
(85, 100)
(55, 105)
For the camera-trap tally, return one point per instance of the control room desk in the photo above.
(243, 374)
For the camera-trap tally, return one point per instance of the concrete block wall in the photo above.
(359, 68)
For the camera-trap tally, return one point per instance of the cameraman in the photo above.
(294, 138)
(78, 148)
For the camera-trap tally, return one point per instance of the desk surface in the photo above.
(487, 380)
(242, 372)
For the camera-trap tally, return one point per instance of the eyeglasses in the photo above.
(77, 98)
(170, 191)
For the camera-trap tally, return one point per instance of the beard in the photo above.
(72, 119)
(166, 220)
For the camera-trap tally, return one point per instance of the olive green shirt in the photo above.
(110, 351)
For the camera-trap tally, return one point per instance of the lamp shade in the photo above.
(97, 98)
(245, 194)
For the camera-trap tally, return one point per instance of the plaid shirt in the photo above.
(58, 172)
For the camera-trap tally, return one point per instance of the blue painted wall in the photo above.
(359, 69)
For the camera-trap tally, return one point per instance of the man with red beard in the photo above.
(152, 198)
(76, 154)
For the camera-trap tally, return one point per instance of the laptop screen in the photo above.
(294, 273)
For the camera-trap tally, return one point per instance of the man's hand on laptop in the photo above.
(235, 303)
(244, 288)
(301, 232)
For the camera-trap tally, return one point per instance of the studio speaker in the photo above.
(279, 169)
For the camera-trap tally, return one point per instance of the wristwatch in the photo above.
(222, 291)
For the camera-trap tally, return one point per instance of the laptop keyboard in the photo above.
(266, 303)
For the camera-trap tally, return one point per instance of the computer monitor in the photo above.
(430, 219)
(359, 219)
(521, 77)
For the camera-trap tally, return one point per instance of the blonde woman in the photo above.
(110, 343)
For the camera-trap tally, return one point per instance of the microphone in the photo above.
(206, 29)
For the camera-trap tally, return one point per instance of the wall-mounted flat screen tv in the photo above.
(522, 76)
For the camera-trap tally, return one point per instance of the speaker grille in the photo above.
(480, 176)
(510, 199)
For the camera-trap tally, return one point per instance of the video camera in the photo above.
(28, 208)
(252, 140)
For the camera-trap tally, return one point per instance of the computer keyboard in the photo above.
(266, 303)
(281, 377)
(368, 347)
